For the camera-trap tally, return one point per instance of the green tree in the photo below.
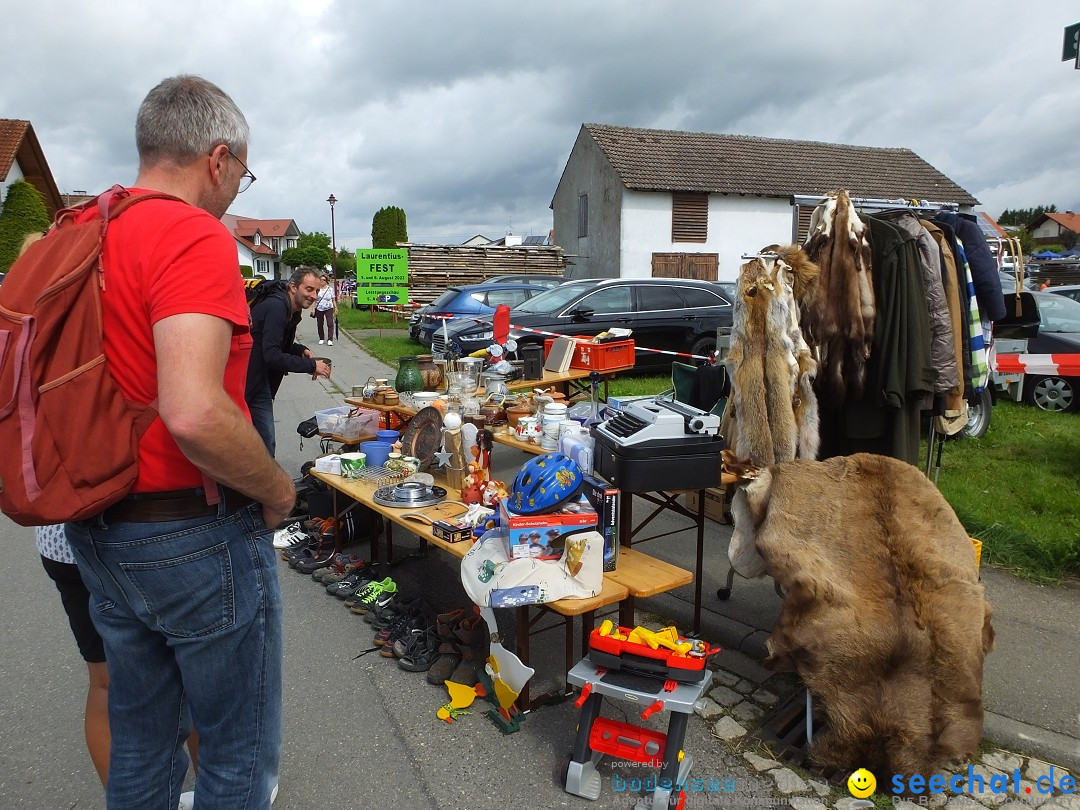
(1024, 216)
(345, 263)
(312, 250)
(24, 212)
(1027, 241)
(388, 228)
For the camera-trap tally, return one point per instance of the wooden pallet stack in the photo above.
(433, 268)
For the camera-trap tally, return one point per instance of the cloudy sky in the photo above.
(464, 113)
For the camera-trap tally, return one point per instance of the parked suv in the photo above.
(468, 300)
(664, 313)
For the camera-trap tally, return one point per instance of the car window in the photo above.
(445, 299)
(615, 298)
(478, 297)
(1059, 314)
(658, 297)
(697, 297)
(555, 299)
(509, 297)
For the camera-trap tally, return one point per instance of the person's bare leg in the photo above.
(96, 719)
(193, 750)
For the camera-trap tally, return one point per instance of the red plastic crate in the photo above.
(618, 354)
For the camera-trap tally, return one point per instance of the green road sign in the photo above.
(1071, 48)
(382, 277)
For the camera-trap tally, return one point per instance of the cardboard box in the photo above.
(532, 535)
(714, 504)
(605, 500)
(452, 531)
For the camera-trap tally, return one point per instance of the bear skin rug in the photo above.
(883, 616)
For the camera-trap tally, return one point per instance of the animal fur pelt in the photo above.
(838, 318)
(772, 415)
(883, 616)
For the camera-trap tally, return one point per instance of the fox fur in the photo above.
(838, 316)
(883, 615)
(772, 415)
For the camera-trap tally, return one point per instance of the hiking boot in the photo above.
(473, 639)
(449, 657)
(421, 652)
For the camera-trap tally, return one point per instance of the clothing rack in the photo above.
(869, 203)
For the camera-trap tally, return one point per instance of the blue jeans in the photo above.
(190, 613)
(261, 406)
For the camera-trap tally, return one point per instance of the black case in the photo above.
(692, 462)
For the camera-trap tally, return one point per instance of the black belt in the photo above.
(159, 507)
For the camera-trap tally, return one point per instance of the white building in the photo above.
(637, 203)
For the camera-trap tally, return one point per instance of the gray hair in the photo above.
(300, 273)
(185, 117)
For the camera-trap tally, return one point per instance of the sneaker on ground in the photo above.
(329, 343)
(321, 342)
(290, 535)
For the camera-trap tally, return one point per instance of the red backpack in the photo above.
(69, 436)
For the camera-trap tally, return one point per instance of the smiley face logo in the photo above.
(861, 783)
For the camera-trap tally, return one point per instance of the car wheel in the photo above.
(979, 415)
(1055, 394)
(704, 346)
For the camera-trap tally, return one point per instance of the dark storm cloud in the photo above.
(464, 113)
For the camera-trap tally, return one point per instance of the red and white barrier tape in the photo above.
(1064, 365)
(554, 334)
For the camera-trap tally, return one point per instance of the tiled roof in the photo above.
(12, 133)
(666, 160)
(1069, 221)
(245, 226)
(252, 246)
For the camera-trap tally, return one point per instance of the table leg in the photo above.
(568, 651)
(521, 630)
(588, 619)
(626, 611)
(700, 560)
(626, 519)
(334, 512)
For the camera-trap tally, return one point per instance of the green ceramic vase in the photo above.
(409, 378)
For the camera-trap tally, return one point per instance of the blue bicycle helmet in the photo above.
(544, 484)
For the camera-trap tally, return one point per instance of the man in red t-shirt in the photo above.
(182, 574)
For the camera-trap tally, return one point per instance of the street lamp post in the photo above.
(333, 244)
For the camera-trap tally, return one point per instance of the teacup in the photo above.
(410, 465)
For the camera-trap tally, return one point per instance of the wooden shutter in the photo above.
(689, 216)
(800, 224)
(702, 266)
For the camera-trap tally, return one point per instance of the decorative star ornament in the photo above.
(443, 457)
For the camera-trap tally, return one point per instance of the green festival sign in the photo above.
(382, 277)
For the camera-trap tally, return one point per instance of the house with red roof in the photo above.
(260, 243)
(21, 158)
(1056, 229)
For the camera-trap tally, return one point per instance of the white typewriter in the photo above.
(658, 419)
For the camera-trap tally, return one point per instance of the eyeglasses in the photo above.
(246, 179)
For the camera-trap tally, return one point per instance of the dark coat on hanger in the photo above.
(984, 269)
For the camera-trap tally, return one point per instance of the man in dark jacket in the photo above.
(274, 350)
